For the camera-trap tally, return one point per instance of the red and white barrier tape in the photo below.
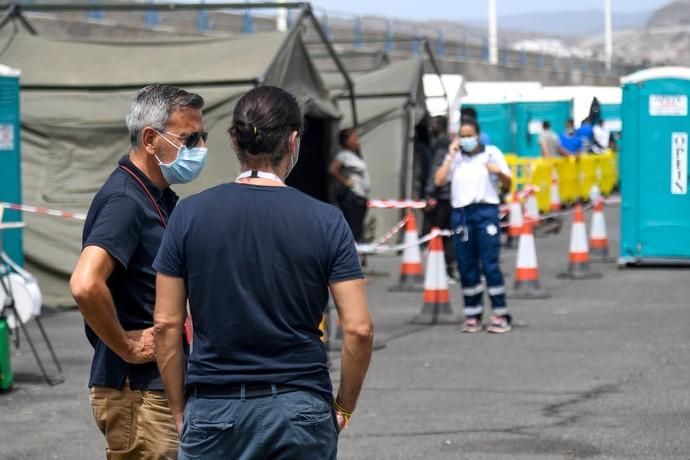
(378, 248)
(399, 226)
(397, 204)
(44, 211)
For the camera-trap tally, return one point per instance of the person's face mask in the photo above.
(295, 157)
(188, 164)
(468, 144)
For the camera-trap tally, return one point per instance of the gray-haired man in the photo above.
(114, 281)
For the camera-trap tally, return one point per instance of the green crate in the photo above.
(6, 375)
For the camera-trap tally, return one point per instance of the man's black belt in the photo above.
(238, 391)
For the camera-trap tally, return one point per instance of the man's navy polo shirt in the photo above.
(257, 262)
(123, 221)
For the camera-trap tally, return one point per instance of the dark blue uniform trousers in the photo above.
(477, 249)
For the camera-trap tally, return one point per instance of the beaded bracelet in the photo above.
(338, 408)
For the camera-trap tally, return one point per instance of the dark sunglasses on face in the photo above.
(192, 140)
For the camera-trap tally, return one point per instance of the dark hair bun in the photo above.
(249, 138)
(263, 120)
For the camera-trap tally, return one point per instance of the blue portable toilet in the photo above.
(655, 212)
(529, 116)
(10, 172)
(496, 120)
(612, 116)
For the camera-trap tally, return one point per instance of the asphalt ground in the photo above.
(601, 370)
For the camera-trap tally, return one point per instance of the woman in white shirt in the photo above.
(475, 172)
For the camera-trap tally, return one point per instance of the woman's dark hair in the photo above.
(344, 135)
(471, 122)
(263, 120)
(468, 112)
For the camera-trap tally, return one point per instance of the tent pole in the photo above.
(291, 33)
(409, 148)
(157, 6)
(14, 11)
(437, 70)
(338, 63)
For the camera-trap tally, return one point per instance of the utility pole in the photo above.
(493, 33)
(282, 18)
(608, 35)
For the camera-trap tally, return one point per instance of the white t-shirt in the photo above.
(355, 168)
(471, 182)
(601, 135)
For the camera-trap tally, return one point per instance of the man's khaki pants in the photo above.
(137, 424)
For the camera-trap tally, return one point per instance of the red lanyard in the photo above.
(146, 190)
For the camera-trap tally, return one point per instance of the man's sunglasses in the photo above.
(192, 140)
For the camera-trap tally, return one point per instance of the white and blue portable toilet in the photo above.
(655, 212)
(10, 161)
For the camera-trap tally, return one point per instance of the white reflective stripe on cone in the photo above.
(555, 194)
(527, 254)
(412, 253)
(515, 218)
(532, 207)
(578, 239)
(598, 226)
(435, 278)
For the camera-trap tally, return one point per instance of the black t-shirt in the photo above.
(124, 222)
(257, 262)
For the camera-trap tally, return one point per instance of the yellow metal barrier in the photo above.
(587, 167)
(541, 178)
(609, 172)
(521, 168)
(568, 180)
(575, 176)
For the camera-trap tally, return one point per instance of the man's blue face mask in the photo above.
(188, 164)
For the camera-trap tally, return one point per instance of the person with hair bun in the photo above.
(256, 260)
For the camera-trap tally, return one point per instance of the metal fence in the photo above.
(357, 33)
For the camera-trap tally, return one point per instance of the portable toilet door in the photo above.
(10, 172)
(611, 114)
(496, 120)
(655, 213)
(529, 117)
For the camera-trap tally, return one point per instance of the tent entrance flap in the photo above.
(310, 175)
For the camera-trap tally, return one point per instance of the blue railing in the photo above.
(463, 48)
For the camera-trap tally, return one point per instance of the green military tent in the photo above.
(74, 97)
(390, 102)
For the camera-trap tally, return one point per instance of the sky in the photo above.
(460, 10)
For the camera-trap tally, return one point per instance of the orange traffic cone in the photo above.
(527, 272)
(514, 220)
(555, 194)
(599, 242)
(578, 266)
(411, 275)
(437, 308)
